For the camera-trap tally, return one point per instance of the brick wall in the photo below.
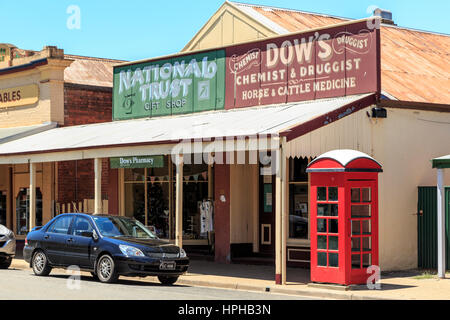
(84, 105)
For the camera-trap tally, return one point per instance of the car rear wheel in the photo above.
(5, 263)
(167, 280)
(40, 264)
(106, 269)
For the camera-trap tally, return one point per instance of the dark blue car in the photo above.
(105, 245)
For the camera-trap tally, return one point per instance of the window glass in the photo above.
(321, 194)
(322, 242)
(298, 211)
(333, 259)
(333, 226)
(297, 169)
(136, 174)
(322, 225)
(61, 225)
(356, 261)
(326, 209)
(361, 210)
(367, 260)
(355, 195)
(81, 225)
(333, 243)
(322, 259)
(356, 227)
(367, 243)
(366, 227)
(365, 193)
(356, 244)
(332, 193)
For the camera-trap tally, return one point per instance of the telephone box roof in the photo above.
(344, 160)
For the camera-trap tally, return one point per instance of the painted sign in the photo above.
(331, 62)
(19, 96)
(177, 85)
(137, 162)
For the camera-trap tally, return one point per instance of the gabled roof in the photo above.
(414, 63)
(90, 71)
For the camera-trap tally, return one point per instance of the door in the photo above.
(79, 247)
(362, 216)
(427, 227)
(55, 239)
(266, 211)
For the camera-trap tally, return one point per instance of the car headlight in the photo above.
(182, 253)
(130, 251)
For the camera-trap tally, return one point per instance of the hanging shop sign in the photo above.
(137, 162)
(19, 96)
(332, 62)
(177, 85)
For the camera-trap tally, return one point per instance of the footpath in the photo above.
(406, 285)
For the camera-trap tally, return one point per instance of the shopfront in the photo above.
(147, 193)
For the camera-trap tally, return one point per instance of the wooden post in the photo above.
(98, 185)
(179, 202)
(441, 223)
(32, 216)
(278, 212)
(284, 214)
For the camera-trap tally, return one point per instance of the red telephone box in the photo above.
(344, 216)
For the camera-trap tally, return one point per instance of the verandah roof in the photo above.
(116, 138)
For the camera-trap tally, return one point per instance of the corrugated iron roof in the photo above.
(414, 64)
(244, 122)
(90, 71)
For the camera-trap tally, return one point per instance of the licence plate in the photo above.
(167, 265)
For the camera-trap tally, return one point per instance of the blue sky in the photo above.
(137, 29)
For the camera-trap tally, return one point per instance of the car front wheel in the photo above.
(40, 264)
(5, 263)
(106, 269)
(167, 280)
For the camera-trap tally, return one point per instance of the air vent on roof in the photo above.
(386, 16)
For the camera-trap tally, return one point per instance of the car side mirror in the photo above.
(94, 235)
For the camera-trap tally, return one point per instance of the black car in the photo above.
(105, 245)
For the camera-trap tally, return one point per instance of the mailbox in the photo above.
(344, 216)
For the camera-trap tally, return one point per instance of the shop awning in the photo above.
(14, 133)
(133, 137)
(441, 162)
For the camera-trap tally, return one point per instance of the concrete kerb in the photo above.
(311, 292)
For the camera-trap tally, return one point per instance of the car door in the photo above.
(79, 247)
(55, 239)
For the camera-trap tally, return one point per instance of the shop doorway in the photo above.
(23, 210)
(266, 211)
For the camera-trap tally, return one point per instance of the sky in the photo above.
(139, 29)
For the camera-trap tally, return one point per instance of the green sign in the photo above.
(171, 86)
(137, 162)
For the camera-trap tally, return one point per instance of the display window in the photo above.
(3, 208)
(298, 199)
(23, 210)
(149, 195)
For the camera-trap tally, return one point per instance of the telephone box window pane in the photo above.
(322, 242)
(356, 227)
(332, 194)
(333, 226)
(355, 195)
(367, 243)
(361, 210)
(367, 260)
(322, 259)
(366, 227)
(333, 243)
(322, 194)
(328, 210)
(322, 225)
(356, 244)
(356, 261)
(365, 195)
(333, 259)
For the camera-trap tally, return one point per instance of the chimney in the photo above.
(386, 16)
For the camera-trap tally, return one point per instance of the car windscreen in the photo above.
(122, 227)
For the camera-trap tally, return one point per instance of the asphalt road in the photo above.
(24, 285)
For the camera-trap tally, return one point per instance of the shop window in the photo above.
(298, 199)
(3, 208)
(23, 210)
(150, 199)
